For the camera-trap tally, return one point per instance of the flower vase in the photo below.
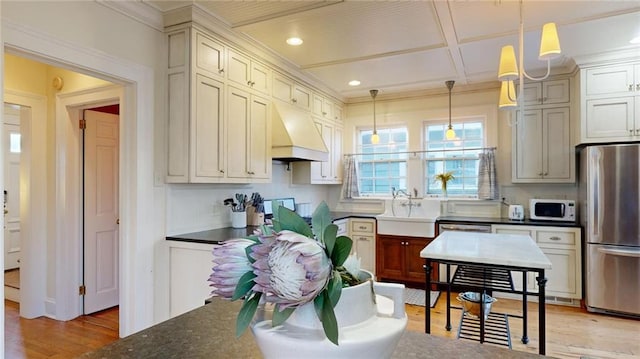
(371, 319)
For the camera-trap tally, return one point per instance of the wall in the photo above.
(466, 101)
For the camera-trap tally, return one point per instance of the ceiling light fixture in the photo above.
(294, 41)
(354, 83)
(450, 134)
(508, 70)
(374, 138)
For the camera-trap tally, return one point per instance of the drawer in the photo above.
(362, 238)
(342, 227)
(543, 236)
(362, 226)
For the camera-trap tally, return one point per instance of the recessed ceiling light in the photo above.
(294, 41)
(354, 83)
(635, 40)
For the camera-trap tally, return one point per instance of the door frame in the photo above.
(138, 210)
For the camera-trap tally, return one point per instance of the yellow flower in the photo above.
(443, 178)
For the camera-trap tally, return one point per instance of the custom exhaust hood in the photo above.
(295, 136)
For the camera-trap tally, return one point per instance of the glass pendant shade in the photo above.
(375, 138)
(507, 96)
(450, 134)
(549, 42)
(508, 69)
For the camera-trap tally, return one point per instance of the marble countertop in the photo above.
(209, 332)
(487, 248)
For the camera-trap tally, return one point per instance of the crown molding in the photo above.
(631, 53)
(137, 10)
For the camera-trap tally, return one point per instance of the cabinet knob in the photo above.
(638, 131)
(324, 113)
(251, 172)
(221, 71)
(540, 174)
(221, 171)
(294, 100)
(554, 238)
(637, 87)
(630, 132)
(249, 83)
(630, 87)
(545, 174)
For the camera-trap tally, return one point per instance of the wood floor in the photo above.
(571, 332)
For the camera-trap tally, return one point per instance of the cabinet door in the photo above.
(557, 151)
(365, 249)
(259, 144)
(609, 80)
(515, 275)
(207, 131)
(178, 129)
(610, 118)
(414, 264)
(209, 55)
(238, 108)
(283, 88)
(302, 97)
(531, 93)
(390, 257)
(561, 278)
(527, 149)
(239, 68)
(326, 166)
(336, 156)
(260, 79)
(189, 267)
(556, 91)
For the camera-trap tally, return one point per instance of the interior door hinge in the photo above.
(82, 290)
(83, 124)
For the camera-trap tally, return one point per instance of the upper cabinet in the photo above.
(542, 148)
(248, 72)
(610, 103)
(289, 91)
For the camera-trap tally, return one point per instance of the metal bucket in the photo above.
(471, 303)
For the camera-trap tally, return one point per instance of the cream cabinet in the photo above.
(546, 92)
(324, 172)
(249, 137)
(363, 234)
(542, 150)
(610, 103)
(325, 108)
(196, 121)
(189, 271)
(562, 245)
(245, 71)
(287, 90)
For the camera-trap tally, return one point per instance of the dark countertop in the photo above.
(499, 220)
(215, 236)
(209, 332)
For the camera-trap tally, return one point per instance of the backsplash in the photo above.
(198, 207)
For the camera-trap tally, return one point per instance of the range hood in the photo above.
(295, 136)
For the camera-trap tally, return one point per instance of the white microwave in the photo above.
(552, 210)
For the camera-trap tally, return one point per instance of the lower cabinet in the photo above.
(363, 234)
(398, 258)
(190, 267)
(562, 245)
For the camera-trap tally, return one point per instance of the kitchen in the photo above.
(192, 207)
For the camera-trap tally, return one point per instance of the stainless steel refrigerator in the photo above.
(610, 216)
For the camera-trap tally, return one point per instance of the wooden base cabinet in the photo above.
(398, 258)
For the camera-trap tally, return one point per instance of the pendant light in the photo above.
(450, 134)
(374, 138)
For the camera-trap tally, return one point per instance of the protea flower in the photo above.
(230, 263)
(290, 268)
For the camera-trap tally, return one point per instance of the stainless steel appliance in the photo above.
(563, 210)
(610, 215)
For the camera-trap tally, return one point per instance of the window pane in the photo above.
(383, 165)
(14, 143)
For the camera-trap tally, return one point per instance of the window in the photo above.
(459, 156)
(380, 166)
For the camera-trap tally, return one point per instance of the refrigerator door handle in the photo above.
(594, 194)
(620, 252)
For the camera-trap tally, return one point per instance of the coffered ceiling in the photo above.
(398, 46)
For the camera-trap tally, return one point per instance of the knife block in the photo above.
(254, 218)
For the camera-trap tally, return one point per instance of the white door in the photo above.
(100, 211)
(12, 187)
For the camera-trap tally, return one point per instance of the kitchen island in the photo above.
(209, 332)
(487, 258)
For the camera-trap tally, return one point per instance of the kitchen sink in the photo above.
(404, 217)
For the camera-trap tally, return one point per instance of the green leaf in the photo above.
(320, 220)
(244, 285)
(329, 322)
(330, 238)
(335, 288)
(290, 220)
(341, 250)
(280, 317)
(246, 313)
(318, 304)
(248, 250)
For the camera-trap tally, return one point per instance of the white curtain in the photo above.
(487, 177)
(350, 180)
